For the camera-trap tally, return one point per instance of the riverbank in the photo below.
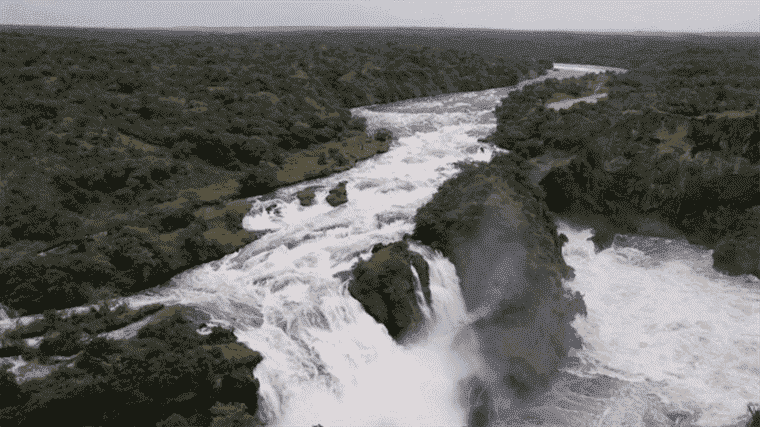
(147, 247)
(623, 164)
(112, 149)
(163, 366)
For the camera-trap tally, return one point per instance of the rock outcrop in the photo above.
(738, 252)
(494, 226)
(386, 287)
(338, 195)
(306, 196)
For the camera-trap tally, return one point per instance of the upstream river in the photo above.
(667, 339)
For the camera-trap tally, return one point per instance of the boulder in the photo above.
(306, 196)
(338, 195)
(385, 286)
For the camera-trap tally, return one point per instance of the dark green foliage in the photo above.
(96, 132)
(383, 135)
(492, 222)
(261, 178)
(169, 374)
(677, 141)
(457, 208)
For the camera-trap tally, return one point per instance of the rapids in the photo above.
(659, 315)
(661, 322)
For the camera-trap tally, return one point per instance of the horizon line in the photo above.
(332, 27)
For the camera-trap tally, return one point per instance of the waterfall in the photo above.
(420, 296)
(661, 321)
(326, 360)
(661, 318)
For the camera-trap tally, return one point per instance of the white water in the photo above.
(659, 314)
(327, 361)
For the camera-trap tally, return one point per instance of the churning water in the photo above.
(659, 321)
(660, 315)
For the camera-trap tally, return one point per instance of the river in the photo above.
(666, 336)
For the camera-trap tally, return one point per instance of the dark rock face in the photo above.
(385, 286)
(739, 251)
(338, 195)
(494, 226)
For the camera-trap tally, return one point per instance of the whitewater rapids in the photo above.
(664, 326)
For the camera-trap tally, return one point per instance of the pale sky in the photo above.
(573, 15)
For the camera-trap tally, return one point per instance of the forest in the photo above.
(111, 148)
(676, 141)
(127, 158)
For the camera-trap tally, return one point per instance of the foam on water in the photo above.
(657, 316)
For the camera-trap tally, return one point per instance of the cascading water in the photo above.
(419, 295)
(327, 361)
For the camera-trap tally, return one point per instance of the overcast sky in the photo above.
(574, 15)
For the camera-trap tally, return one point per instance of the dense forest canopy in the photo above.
(677, 139)
(103, 133)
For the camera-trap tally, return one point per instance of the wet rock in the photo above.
(306, 196)
(385, 286)
(602, 241)
(338, 195)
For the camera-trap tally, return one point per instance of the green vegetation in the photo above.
(126, 160)
(385, 286)
(677, 141)
(673, 151)
(113, 149)
(166, 374)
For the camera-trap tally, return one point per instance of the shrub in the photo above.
(261, 179)
(357, 123)
(383, 135)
